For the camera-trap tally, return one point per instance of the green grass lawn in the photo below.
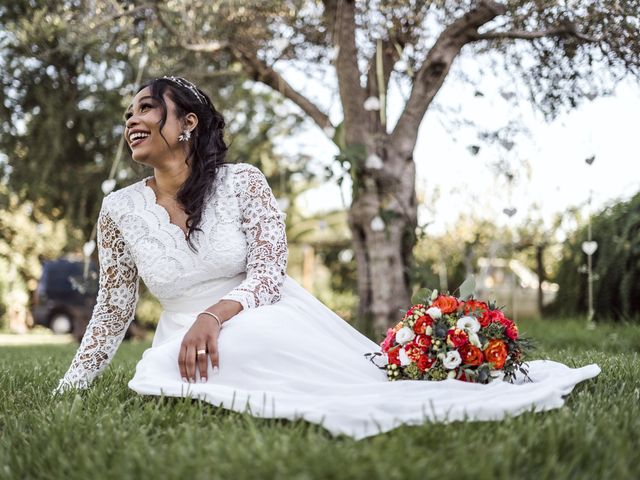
(111, 432)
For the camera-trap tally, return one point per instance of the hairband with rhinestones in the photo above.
(188, 85)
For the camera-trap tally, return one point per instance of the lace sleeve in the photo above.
(114, 310)
(264, 227)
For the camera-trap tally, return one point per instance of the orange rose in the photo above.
(398, 326)
(422, 323)
(446, 304)
(471, 355)
(496, 353)
(479, 309)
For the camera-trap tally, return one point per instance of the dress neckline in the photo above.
(163, 213)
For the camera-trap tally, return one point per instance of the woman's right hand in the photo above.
(202, 336)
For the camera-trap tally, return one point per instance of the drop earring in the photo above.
(184, 136)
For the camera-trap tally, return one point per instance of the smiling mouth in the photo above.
(137, 142)
(137, 138)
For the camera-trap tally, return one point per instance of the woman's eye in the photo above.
(143, 108)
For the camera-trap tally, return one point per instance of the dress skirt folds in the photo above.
(296, 359)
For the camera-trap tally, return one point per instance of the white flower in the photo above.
(403, 357)
(428, 330)
(474, 340)
(404, 335)
(468, 323)
(434, 312)
(452, 360)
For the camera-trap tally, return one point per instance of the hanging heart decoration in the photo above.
(507, 95)
(474, 149)
(377, 224)
(88, 248)
(372, 103)
(374, 162)
(590, 247)
(507, 144)
(108, 186)
(510, 212)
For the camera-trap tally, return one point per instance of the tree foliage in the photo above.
(66, 86)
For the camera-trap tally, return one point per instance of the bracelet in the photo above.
(212, 315)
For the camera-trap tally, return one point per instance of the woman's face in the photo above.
(142, 130)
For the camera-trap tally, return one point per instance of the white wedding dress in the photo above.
(285, 355)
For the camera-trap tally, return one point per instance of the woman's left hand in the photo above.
(202, 337)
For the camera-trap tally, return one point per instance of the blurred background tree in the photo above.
(616, 264)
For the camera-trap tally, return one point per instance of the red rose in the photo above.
(446, 303)
(425, 362)
(414, 351)
(512, 331)
(496, 316)
(423, 341)
(478, 309)
(496, 353)
(393, 355)
(471, 355)
(422, 323)
(456, 337)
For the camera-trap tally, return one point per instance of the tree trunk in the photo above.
(383, 255)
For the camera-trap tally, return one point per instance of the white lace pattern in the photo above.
(242, 230)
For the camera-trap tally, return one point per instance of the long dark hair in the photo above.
(208, 148)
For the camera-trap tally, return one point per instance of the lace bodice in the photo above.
(242, 230)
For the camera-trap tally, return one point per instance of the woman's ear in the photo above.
(190, 121)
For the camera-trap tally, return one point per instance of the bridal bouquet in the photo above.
(446, 337)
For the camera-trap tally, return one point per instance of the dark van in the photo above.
(64, 299)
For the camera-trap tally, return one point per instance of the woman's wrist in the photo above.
(224, 309)
(212, 315)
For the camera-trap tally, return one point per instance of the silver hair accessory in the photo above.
(184, 136)
(188, 85)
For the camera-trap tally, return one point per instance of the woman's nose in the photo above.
(130, 121)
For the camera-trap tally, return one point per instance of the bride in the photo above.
(208, 239)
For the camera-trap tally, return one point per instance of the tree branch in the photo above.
(255, 68)
(434, 69)
(352, 95)
(532, 35)
(262, 72)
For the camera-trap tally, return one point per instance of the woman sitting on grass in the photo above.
(208, 239)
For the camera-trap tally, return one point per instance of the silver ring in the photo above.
(201, 352)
